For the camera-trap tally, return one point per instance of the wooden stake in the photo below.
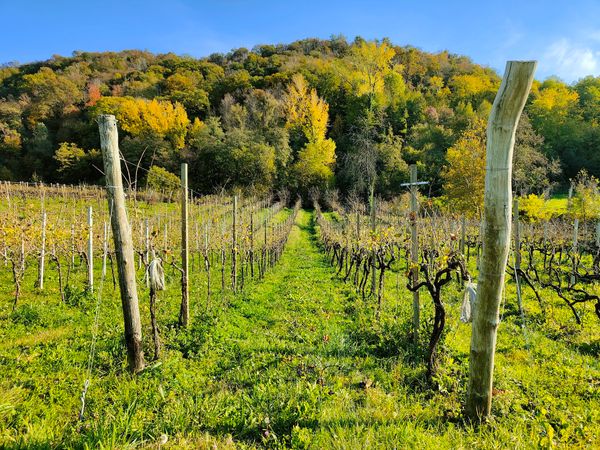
(463, 234)
(234, 246)
(184, 312)
(502, 124)
(109, 143)
(414, 250)
(575, 249)
(42, 254)
(252, 244)
(90, 249)
(104, 250)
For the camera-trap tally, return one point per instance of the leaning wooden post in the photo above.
(90, 249)
(184, 312)
(109, 143)
(502, 123)
(414, 249)
(42, 253)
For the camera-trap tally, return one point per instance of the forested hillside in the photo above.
(310, 114)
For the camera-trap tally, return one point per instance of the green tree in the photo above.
(75, 164)
(161, 180)
(532, 170)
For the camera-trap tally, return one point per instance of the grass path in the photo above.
(282, 340)
(296, 309)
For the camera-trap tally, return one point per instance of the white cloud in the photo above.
(570, 61)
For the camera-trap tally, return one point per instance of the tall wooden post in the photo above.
(42, 253)
(147, 252)
(90, 249)
(414, 249)
(42, 260)
(73, 245)
(502, 124)
(109, 143)
(184, 311)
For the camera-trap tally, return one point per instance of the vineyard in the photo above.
(288, 344)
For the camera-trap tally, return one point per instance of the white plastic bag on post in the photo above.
(468, 304)
(156, 274)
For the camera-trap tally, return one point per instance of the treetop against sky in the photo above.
(564, 36)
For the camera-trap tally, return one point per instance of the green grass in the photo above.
(296, 360)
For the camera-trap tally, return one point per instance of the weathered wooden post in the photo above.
(72, 246)
(147, 252)
(252, 243)
(90, 249)
(109, 143)
(42, 253)
(358, 223)
(184, 312)
(502, 123)
(414, 249)
(463, 234)
(234, 245)
(104, 250)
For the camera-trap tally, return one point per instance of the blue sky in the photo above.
(564, 36)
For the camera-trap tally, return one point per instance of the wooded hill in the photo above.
(312, 114)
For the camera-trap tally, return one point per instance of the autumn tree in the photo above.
(308, 113)
(464, 176)
(155, 130)
(370, 63)
(51, 94)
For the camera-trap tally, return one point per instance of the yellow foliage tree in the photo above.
(139, 116)
(534, 208)
(306, 110)
(471, 86)
(464, 176)
(370, 64)
(310, 113)
(555, 100)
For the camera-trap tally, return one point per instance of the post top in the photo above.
(107, 119)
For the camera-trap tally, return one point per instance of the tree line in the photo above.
(307, 116)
